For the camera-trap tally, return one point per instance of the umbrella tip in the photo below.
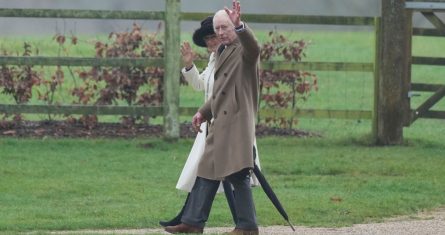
(290, 224)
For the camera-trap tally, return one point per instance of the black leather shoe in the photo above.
(183, 228)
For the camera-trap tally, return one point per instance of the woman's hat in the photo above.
(205, 30)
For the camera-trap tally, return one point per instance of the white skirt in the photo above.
(190, 171)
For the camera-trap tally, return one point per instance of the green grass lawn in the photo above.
(336, 180)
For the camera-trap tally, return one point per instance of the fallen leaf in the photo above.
(336, 199)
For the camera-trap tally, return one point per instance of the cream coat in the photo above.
(233, 107)
(199, 82)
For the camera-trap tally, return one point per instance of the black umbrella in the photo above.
(269, 192)
(230, 199)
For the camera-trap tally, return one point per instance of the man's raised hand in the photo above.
(235, 13)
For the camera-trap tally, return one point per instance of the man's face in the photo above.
(224, 30)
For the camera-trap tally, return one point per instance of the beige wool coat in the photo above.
(232, 109)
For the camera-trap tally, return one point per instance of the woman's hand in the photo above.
(188, 56)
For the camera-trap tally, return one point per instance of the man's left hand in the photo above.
(197, 120)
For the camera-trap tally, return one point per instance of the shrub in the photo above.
(283, 89)
(144, 85)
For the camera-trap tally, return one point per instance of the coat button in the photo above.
(213, 97)
(223, 93)
(225, 74)
(225, 112)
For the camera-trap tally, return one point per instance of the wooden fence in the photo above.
(171, 62)
(395, 61)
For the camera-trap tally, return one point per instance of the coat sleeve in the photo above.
(251, 48)
(195, 79)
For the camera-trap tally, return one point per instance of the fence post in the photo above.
(406, 87)
(393, 63)
(172, 68)
(377, 56)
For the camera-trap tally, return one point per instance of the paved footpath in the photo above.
(425, 223)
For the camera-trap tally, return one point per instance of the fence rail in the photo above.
(172, 17)
(428, 32)
(159, 62)
(82, 14)
(80, 61)
(82, 109)
(421, 60)
(184, 111)
(196, 16)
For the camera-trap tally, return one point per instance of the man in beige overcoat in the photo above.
(230, 113)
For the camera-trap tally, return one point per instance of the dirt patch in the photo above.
(61, 129)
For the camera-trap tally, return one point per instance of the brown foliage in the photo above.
(144, 85)
(283, 89)
(107, 86)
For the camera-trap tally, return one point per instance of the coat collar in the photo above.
(220, 59)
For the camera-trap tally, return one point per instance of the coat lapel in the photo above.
(225, 55)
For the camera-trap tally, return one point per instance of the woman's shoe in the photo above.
(177, 220)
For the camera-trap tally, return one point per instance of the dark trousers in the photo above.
(203, 193)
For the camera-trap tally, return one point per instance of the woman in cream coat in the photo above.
(203, 37)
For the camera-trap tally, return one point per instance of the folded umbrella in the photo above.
(271, 194)
(230, 199)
